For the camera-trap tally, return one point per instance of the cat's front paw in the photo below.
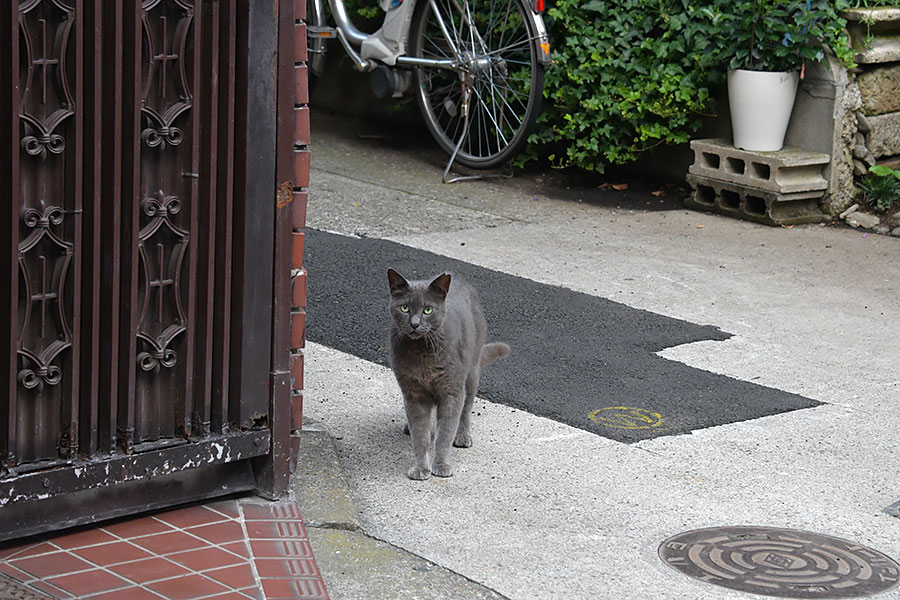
(442, 470)
(419, 473)
(463, 440)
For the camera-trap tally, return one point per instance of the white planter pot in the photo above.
(761, 104)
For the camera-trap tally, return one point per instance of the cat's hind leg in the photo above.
(464, 437)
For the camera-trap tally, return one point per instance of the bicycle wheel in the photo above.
(499, 73)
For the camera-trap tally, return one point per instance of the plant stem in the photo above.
(752, 36)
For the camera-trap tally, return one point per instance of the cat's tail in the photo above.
(493, 351)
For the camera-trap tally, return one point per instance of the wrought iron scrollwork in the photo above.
(46, 115)
(161, 206)
(37, 368)
(166, 92)
(31, 378)
(152, 361)
(161, 253)
(154, 137)
(41, 144)
(43, 219)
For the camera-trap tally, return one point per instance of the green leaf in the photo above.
(594, 5)
(884, 171)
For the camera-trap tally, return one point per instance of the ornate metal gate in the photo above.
(139, 142)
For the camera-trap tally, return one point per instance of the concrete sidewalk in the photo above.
(540, 509)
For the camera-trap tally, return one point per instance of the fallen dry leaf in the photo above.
(699, 226)
(657, 193)
(619, 187)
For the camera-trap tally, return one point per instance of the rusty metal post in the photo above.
(274, 472)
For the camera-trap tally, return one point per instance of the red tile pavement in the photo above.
(219, 533)
(152, 569)
(244, 549)
(123, 552)
(86, 583)
(169, 542)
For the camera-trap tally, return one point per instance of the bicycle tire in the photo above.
(504, 75)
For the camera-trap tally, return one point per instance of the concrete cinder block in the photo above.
(753, 204)
(787, 171)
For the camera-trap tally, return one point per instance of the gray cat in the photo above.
(437, 351)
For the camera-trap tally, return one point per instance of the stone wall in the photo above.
(876, 38)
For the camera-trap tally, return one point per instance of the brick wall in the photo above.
(298, 219)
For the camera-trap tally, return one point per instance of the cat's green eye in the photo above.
(427, 310)
(404, 308)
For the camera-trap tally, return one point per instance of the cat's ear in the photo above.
(441, 284)
(398, 284)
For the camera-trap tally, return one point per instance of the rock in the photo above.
(849, 210)
(859, 167)
(860, 151)
(882, 229)
(890, 161)
(868, 221)
(880, 87)
(869, 159)
(895, 232)
(864, 220)
(884, 137)
(862, 123)
(873, 34)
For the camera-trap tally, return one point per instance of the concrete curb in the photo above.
(353, 564)
(320, 487)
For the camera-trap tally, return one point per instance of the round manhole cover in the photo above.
(780, 562)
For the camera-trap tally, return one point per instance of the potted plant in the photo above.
(766, 44)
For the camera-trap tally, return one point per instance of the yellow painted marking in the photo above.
(626, 417)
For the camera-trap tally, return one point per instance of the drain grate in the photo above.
(780, 562)
(11, 589)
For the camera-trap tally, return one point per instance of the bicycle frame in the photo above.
(388, 45)
(454, 65)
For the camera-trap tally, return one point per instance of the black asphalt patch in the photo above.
(578, 359)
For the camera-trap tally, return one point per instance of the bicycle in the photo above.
(476, 67)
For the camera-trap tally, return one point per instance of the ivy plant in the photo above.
(627, 76)
(779, 35)
(634, 74)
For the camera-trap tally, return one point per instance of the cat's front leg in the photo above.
(418, 418)
(448, 413)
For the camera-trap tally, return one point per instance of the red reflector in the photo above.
(539, 6)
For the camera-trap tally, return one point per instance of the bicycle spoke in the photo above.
(487, 111)
(496, 52)
(440, 20)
